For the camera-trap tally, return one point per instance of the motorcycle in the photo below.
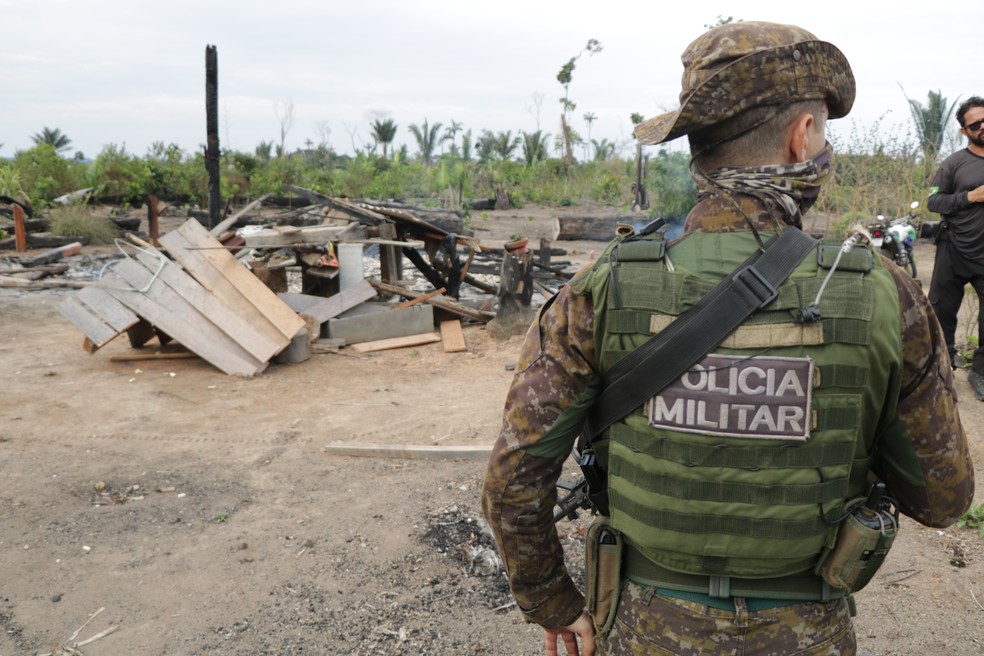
(897, 238)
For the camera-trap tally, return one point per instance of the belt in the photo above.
(805, 586)
(728, 604)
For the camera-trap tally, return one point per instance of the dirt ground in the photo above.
(200, 514)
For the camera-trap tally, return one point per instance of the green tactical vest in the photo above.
(744, 467)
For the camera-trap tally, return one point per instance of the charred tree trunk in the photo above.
(212, 128)
(515, 285)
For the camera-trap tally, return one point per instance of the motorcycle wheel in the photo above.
(911, 265)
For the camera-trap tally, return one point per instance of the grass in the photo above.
(78, 222)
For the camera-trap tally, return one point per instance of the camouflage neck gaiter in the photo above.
(793, 187)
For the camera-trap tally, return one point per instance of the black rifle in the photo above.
(575, 499)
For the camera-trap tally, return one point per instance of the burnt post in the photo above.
(212, 128)
(152, 226)
(20, 229)
(515, 284)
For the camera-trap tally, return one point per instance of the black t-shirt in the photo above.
(961, 172)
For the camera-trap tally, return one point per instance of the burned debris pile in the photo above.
(273, 283)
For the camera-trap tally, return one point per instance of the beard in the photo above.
(977, 138)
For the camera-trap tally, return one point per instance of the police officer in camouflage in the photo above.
(729, 487)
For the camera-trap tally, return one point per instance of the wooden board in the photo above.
(112, 311)
(452, 336)
(344, 300)
(168, 310)
(395, 342)
(411, 452)
(98, 315)
(288, 235)
(97, 331)
(239, 329)
(222, 274)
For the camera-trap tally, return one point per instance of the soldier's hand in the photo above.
(582, 628)
(976, 195)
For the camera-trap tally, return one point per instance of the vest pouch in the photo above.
(603, 565)
(863, 541)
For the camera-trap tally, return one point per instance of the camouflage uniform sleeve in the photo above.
(554, 375)
(930, 474)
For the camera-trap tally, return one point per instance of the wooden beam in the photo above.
(159, 355)
(54, 283)
(419, 299)
(227, 223)
(395, 342)
(353, 210)
(452, 337)
(438, 301)
(411, 451)
(20, 230)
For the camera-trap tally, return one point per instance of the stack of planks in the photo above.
(204, 298)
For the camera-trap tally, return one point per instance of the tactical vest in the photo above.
(745, 465)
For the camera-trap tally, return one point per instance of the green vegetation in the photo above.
(874, 174)
(75, 221)
(973, 519)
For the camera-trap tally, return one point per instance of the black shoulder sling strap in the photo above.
(645, 371)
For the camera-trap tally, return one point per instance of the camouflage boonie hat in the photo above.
(742, 65)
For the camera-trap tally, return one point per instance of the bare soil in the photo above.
(201, 514)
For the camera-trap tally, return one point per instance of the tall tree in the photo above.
(931, 121)
(565, 76)
(54, 138)
(427, 136)
(383, 133)
(466, 146)
(284, 111)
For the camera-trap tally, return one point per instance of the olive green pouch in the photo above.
(863, 541)
(603, 564)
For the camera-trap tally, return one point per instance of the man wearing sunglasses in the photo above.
(957, 193)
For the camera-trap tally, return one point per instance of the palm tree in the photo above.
(589, 118)
(604, 149)
(931, 122)
(54, 138)
(384, 132)
(485, 146)
(427, 140)
(450, 133)
(264, 151)
(504, 144)
(534, 146)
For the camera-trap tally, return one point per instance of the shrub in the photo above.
(44, 174)
(121, 175)
(75, 221)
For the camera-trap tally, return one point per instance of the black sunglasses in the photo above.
(975, 126)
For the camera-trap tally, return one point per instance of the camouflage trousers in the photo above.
(649, 624)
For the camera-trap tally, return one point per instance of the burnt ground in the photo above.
(204, 514)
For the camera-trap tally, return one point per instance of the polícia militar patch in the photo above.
(761, 397)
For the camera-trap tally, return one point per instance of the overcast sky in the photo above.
(132, 73)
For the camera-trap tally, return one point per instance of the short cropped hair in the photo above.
(753, 136)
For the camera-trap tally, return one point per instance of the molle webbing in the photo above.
(746, 506)
(744, 527)
(693, 454)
